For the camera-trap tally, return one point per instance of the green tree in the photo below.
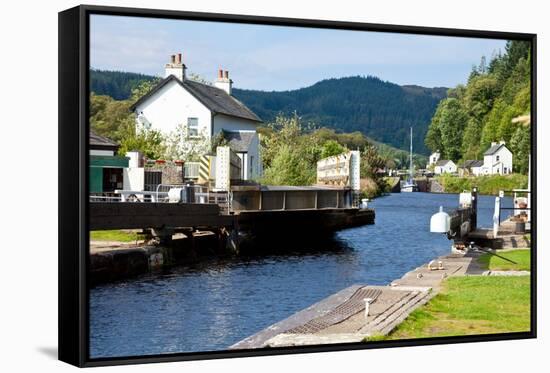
(330, 148)
(289, 167)
(434, 137)
(496, 93)
(109, 117)
(142, 89)
(471, 141)
(450, 120)
(520, 145)
(148, 141)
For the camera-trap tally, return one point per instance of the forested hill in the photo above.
(117, 84)
(474, 115)
(381, 110)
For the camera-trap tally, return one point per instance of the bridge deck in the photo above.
(133, 215)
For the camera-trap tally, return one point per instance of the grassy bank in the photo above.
(471, 305)
(115, 235)
(522, 259)
(371, 189)
(490, 184)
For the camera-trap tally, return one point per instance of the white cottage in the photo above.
(434, 157)
(445, 166)
(203, 110)
(471, 167)
(497, 160)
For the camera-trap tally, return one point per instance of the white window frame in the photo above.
(190, 128)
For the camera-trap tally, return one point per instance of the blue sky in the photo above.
(282, 58)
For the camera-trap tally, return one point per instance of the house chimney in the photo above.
(223, 81)
(502, 142)
(493, 143)
(175, 67)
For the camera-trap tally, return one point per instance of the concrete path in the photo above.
(392, 305)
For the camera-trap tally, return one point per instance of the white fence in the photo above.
(228, 167)
(191, 170)
(340, 170)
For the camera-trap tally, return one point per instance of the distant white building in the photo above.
(470, 168)
(497, 160)
(445, 166)
(434, 157)
(204, 111)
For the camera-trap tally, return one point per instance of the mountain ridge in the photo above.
(381, 110)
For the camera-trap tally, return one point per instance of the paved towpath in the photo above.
(390, 306)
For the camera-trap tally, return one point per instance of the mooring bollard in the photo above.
(496, 217)
(367, 304)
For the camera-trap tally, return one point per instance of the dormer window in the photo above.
(192, 127)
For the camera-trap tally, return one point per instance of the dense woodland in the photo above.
(480, 112)
(381, 110)
(116, 84)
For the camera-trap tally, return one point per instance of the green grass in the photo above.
(114, 235)
(521, 257)
(471, 305)
(489, 184)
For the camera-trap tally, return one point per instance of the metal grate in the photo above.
(342, 312)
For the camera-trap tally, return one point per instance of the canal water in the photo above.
(209, 306)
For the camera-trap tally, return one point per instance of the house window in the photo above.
(193, 127)
(498, 158)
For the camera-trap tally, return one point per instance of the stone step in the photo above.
(395, 314)
(513, 242)
(418, 301)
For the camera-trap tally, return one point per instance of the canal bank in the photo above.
(361, 313)
(341, 318)
(214, 303)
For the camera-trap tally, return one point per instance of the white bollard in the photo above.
(496, 217)
(367, 304)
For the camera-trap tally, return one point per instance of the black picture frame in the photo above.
(73, 181)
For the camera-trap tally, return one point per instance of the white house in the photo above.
(444, 166)
(203, 110)
(470, 168)
(434, 157)
(497, 160)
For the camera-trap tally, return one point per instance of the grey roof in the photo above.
(101, 142)
(442, 162)
(238, 141)
(472, 163)
(215, 99)
(493, 149)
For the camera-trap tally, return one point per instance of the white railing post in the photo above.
(367, 306)
(496, 217)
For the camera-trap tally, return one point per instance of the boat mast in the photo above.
(411, 157)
